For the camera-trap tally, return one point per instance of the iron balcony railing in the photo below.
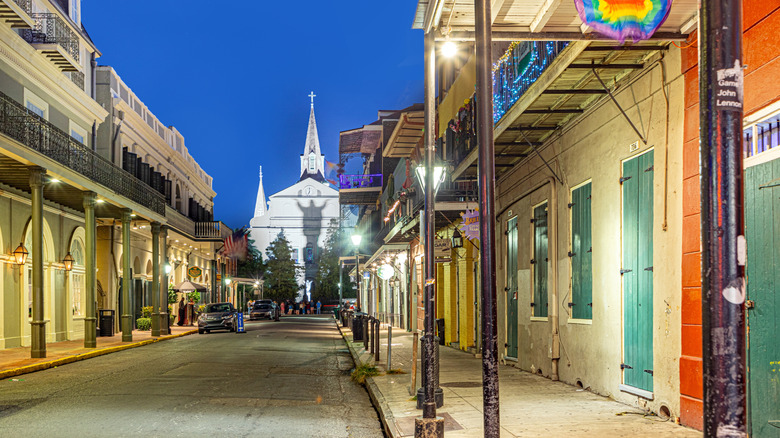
(78, 78)
(29, 129)
(211, 230)
(50, 28)
(25, 5)
(519, 67)
(360, 181)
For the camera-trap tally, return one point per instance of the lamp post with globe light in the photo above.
(356, 238)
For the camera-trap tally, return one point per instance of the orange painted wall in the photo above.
(761, 54)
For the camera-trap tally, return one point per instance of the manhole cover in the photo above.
(462, 384)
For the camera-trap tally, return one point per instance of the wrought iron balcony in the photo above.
(22, 125)
(54, 39)
(359, 189)
(78, 78)
(360, 181)
(16, 13)
(214, 230)
(518, 69)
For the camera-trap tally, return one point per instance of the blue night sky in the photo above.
(233, 78)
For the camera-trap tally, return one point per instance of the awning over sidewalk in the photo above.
(188, 286)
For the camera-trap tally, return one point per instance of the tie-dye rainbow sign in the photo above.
(635, 20)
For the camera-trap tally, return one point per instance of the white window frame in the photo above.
(312, 162)
(750, 122)
(75, 11)
(74, 128)
(34, 99)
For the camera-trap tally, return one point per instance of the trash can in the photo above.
(440, 330)
(106, 322)
(357, 326)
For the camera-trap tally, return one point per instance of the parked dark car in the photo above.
(264, 309)
(217, 316)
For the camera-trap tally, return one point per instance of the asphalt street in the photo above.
(280, 379)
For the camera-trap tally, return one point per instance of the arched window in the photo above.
(312, 162)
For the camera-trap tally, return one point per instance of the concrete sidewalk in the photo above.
(531, 405)
(17, 361)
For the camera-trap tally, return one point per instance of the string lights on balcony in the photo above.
(516, 70)
(392, 210)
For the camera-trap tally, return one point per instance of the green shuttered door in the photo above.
(762, 229)
(581, 254)
(637, 272)
(511, 288)
(540, 261)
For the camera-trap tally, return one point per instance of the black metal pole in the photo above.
(722, 221)
(482, 25)
(429, 425)
(429, 405)
(358, 278)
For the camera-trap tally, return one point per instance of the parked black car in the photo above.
(264, 309)
(217, 316)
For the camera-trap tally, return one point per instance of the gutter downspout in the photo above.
(93, 76)
(552, 230)
(555, 347)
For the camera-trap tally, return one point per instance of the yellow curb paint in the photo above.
(75, 358)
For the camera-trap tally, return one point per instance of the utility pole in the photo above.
(722, 221)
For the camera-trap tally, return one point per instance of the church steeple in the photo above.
(260, 203)
(312, 161)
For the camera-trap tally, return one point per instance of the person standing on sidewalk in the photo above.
(319, 307)
(182, 311)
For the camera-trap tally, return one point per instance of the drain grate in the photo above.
(462, 384)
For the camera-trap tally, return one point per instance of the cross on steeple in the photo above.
(312, 96)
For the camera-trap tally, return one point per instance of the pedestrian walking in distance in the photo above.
(182, 311)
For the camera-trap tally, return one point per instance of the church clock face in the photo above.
(308, 190)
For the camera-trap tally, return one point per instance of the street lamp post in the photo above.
(429, 425)
(356, 238)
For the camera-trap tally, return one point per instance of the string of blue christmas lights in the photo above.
(513, 74)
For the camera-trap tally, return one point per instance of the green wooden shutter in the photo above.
(540, 261)
(637, 272)
(581, 254)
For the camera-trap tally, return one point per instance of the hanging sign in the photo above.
(442, 250)
(385, 272)
(470, 225)
(194, 272)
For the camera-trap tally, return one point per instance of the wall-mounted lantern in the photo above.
(20, 254)
(68, 261)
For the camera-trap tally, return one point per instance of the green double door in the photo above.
(511, 288)
(762, 231)
(637, 272)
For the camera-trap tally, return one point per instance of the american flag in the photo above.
(236, 244)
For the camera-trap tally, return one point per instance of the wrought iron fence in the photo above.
(519, 67)
(29, 129)
(26, 5)
(78, 78)
(360, 181)
(49, 28)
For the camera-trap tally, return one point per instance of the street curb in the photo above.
(380, 404)
(79, 357)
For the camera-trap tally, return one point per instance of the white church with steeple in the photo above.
(303, 211)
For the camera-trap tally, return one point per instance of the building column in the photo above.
(38, 332)
(90, 257)
(155, 279)
(127, 314)
(164, 317)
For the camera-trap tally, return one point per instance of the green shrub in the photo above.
(364, 371)
(194, 296)
(146, 311)
(143, 323)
